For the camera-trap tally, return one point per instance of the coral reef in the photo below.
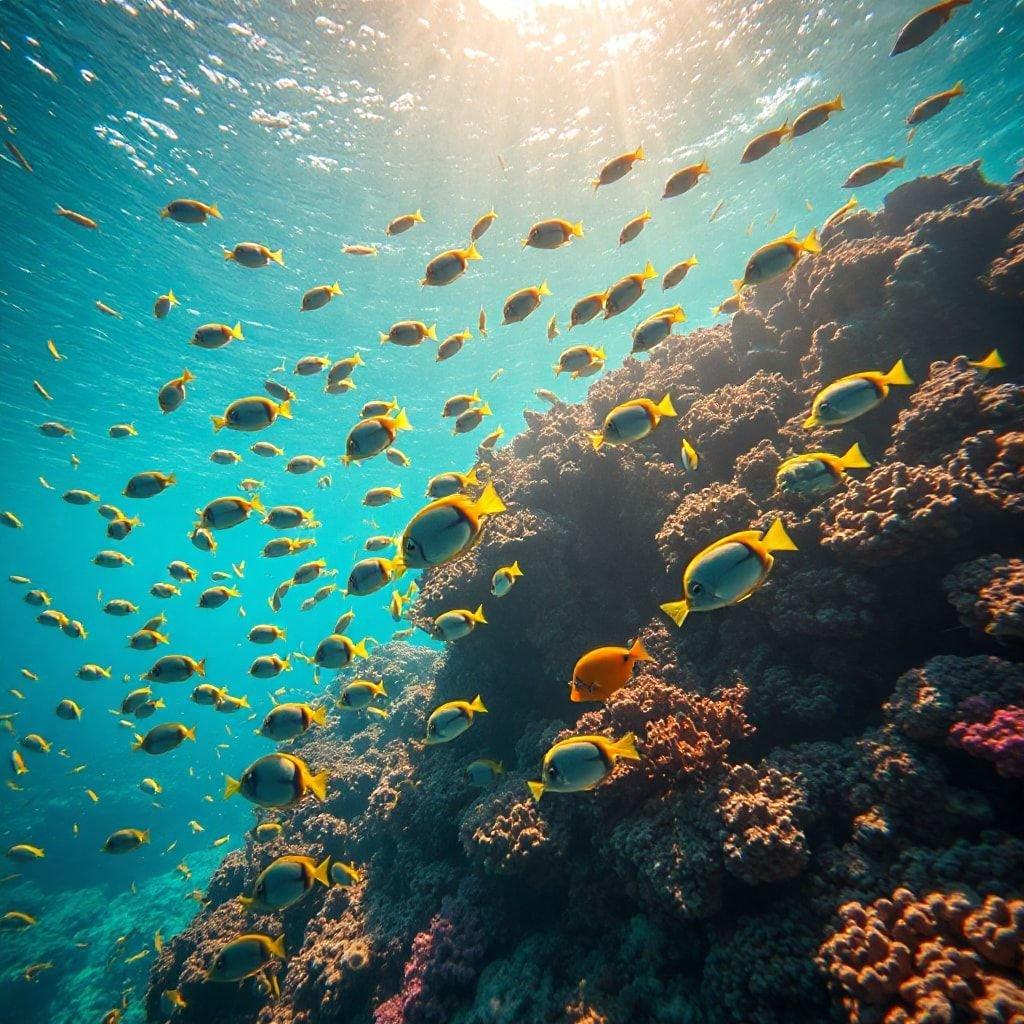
(809, 758)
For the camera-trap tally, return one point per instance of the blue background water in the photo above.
(311, 125)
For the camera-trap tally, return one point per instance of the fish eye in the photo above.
(346, 698)
(696, 588)
(552, 771)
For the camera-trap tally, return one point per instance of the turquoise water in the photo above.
(312, 125)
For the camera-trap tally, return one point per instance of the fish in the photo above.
(632, 228)
(452, 719)
(24, 852)
(255, 412)
(277, 781)
(68, 710)
(148, 484)
(764, 143)
(728, 571)
(11, 520)
(266, 450)
(377, 496)
(345, 874)
(287, 721)
(124, 840)
(852, 396)
(580, 763)
(287, 517)
(503, 579)
(483, 772)
(839, 215)
(632, 421)
(617, 168)
(267, 634)
(869, 173)
(164, 590)
(817, 472)
(171, 1000)
(403, 222)
(268, 666)
(482, 225)
(935, 104)
(41, 391)
(318, 296)
(814, 117)
(452, 345)
(604, 670)
(470, 419)
(482, 323)
(190, 211)
(447, 528)
(18, 156)
(91, 672)
(449, 266)
(773, 259)
(254, 255)
(213, 336)
(244, 957)
(357, 249)
(215, 597)
(151, 786)
(228, 704)
(267, 830)
(111, 559)
(51, 347)
(719, 206)
(689, 456)
(577, 359)
(492, 438)
(993, 361)
(163, 304)
(108, 310)
(54, 429)
(656, 328)
(338, 651)
(520, 304)
(359, 694)
(441, 486)
(677, 273)
(163, 738)
(76, 218)
(182, 571)
(340, 372)
(454, 625)
(626, 291)
(685, 179)
(284, 882)
(924, 25)
(16, 921)
(552, 233)
(407, 333)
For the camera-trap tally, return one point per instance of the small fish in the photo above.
(190, 211)
(503, 579)
(838, 216)
(310, 366)
(676, 273)
(284, 882)
(452, 719)
(447, 528)
(552, 233)
(993, 361)
(162, 738)
(41, 391)
(469, 420)
(492, 438)
(213, 336)
(483, 772)
(11, 520)
(356, 249)
(359, 694)
(244, 956)
(626, 291)
(288, 721)
(449, 266)
(580, 361)
(925, 24)
(690, 458)
(773, 259)
(452, 345)
(456, 624)
(407, 333)
(815, 117)
(728, 571)
(656, 328)
(928, 108)
(869, 173)
(277, 780)
(268, 830)
(483, 225)
(817, 472)
(51, 347)
(852, 396)
(318, 296)
(254, 255)
(108, 310)
(377, 496)
(618, 167)
(580, 763)
(345, 874)
(255, 412)
(632, 421)
(402, 223)
(719, 206)
(520, 304)
(765, 143)
(76, 218)
(124, 840)
(18, 156)
(482, 323)
(163, 304)
(685, 179)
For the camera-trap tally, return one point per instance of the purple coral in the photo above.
(999, 739)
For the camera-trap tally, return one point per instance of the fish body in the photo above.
(617, 168)
(817, 472)
(520, 304)
(685, 179)
(815, 117)
(928, 108)
(452, 719)
(632, 421)
(447, 528)
(626, 291)
(764, 143)
(852, 396)
(924, 25)
(165, 737)
(603, 671)
(277, 780)
(254, 255)
(779, 257)
(869, 173)
(580, 763)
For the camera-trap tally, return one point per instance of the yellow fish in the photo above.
(852, 396)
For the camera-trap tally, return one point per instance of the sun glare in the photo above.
(529, 10)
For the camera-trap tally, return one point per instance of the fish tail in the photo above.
(811, 243)
(837, 103)
(359, 650)
(431, 332)
(229, 254)
(665, 407)
(472, 253)
(514, 570)
(477, 704)
(478, 615)
(900, 161)
(676, 611)
(277, 947)
(171, 297)
(577, 228)
(277, 255)
(536, 790)
(236, 332)
(379, 712)
(543, 289)
(638, 652)
(854, 459)
(993, 361)
(776, 538)
(322, 872)
(957, 90)
(597, 440)
(219, 423)
(488, 504)
(418, 216)
(201, 667)
(320, 716)
(626, 747)
(649, 272)
(231, 787)
(318, 785)
(898, 375)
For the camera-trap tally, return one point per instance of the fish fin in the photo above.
(431, 332)
(993, 361)
(171, 297)
(811, 243)
(359, 649)
(626, 748)
(228, 254)
(379, 712)
(417, 216)
(190, 734)
(488, 504)
(231, 787)
(536, 790)
(478, 615)
(277, 255)
(638, 652)
(219, 423)
(476, 704)
(236, 332)
(810, 422)
(472, 253)
(256, 504)
(665, 407)
(318, 785)
(201, 667)
(246, 901)
(277, 947)
(577, 228)
(837, 103)
(543, 289)
(319, 716)
(322, 872)
(897, 375)
(514, 570)
(597, 440)
(285, 409)
(854, 459)
(383, 337)
(957, 90)
(676, 611)
(471, 478)
(776, 538)
(144, 837)
(649, 272)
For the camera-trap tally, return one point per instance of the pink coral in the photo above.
(999, 739)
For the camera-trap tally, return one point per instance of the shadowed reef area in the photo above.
(825, 823)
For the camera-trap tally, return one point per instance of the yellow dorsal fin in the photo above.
(776, 538)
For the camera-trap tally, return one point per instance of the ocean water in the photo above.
(311, 125)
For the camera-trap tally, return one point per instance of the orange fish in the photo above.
(602, 671)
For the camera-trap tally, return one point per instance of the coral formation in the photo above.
(850, 734)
